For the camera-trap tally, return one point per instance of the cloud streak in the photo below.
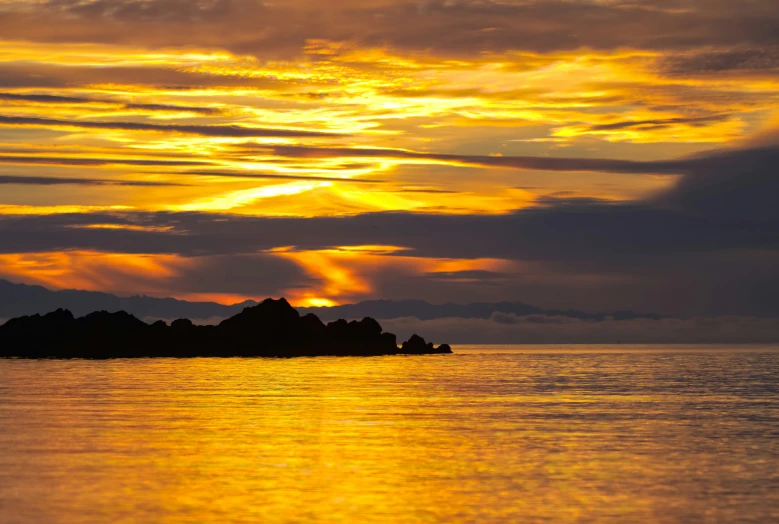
(95, 162)
(58, 181)
(225, 131)
(275, 176)
(656, 167)
(511, 162)
(72, 100)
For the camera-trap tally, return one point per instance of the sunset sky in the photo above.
(592, 154)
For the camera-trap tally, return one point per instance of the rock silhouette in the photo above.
(270, 329)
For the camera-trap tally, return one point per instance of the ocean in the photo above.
(489, 434)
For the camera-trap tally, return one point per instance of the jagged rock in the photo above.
(182, 324)
(313, 328)
(416, 345)
(272, 328)
(390, 339)
(273, 317)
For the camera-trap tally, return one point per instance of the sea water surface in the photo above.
(512, 434)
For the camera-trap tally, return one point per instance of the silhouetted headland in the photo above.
(270, 329)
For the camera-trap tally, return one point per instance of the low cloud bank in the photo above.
(503, 328)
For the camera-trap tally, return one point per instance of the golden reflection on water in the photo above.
(479, 436)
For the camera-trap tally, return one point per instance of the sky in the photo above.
(588, 154)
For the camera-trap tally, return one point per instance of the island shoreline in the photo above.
(271, 329)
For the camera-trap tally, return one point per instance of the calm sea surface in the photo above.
(518, 434)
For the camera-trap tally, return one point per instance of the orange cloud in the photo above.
(92, 270)
(348, 274)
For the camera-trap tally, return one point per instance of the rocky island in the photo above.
(272, 328)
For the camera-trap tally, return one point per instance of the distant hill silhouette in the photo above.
(21, 299)
(270, 329)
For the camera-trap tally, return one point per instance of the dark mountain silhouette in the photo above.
(21, 299)
(270, 329)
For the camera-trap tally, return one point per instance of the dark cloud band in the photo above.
(95, 162)
(56, 99)
(511, 162)
(58, 181)
(463, 28)
(225, 131)
(274, 176)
